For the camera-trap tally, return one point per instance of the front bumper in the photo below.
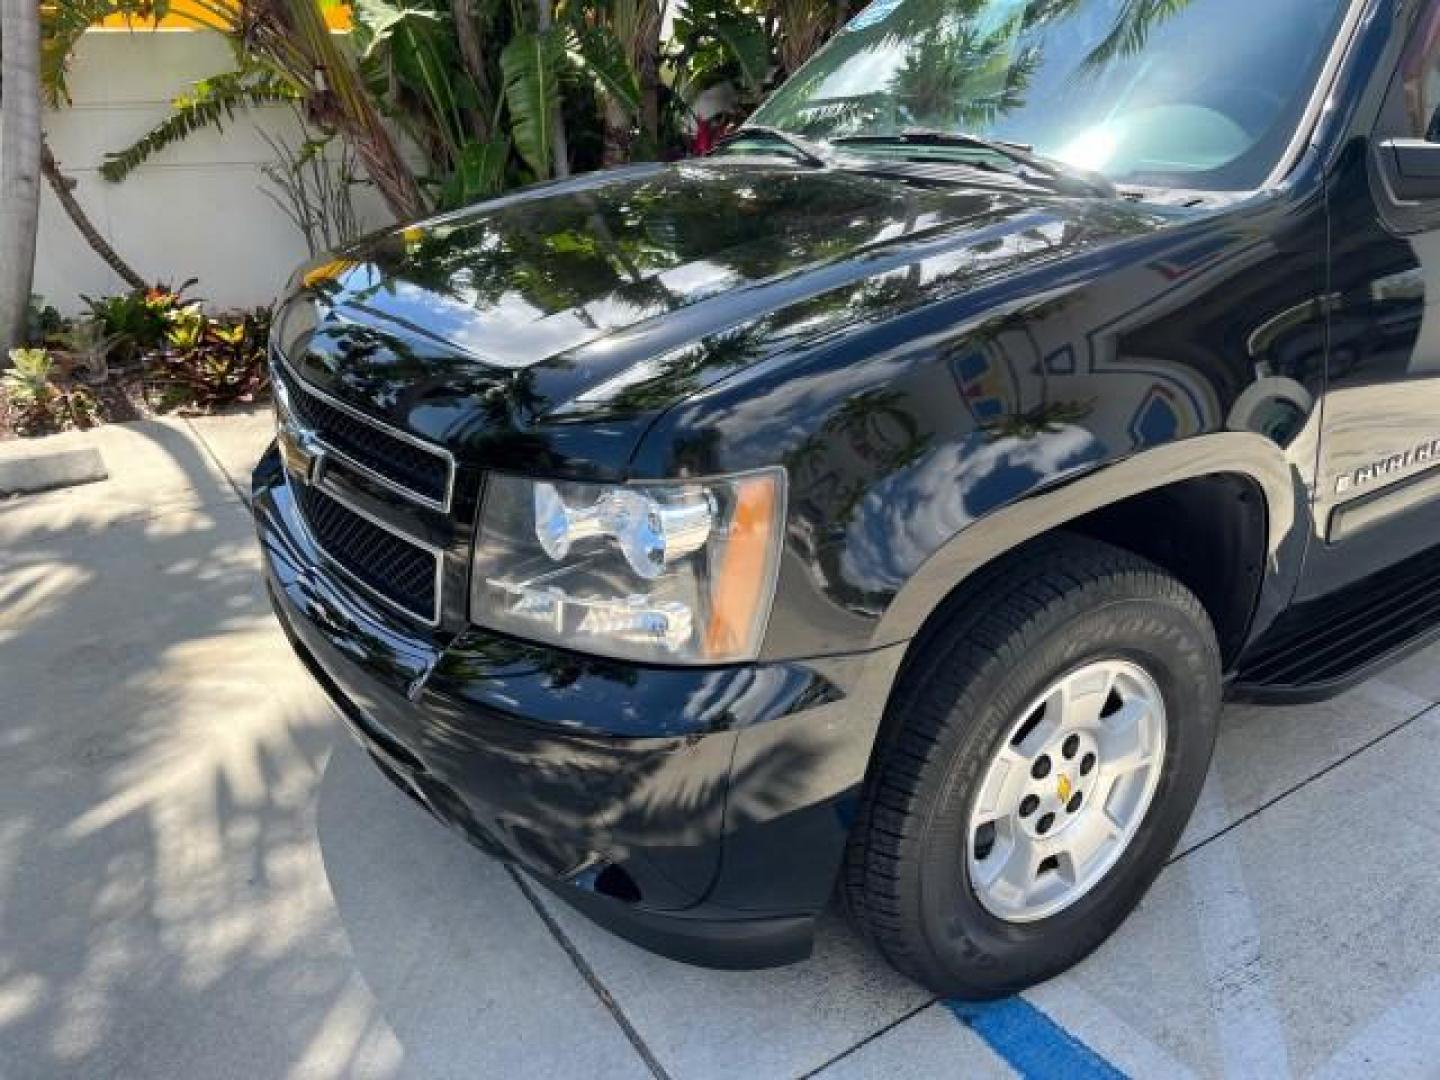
(699, 812)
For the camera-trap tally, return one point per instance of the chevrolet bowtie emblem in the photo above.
(1064, 788)
(304, 454)
(316, 471)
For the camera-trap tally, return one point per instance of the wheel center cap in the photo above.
(1064, 788)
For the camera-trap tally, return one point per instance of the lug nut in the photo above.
(1072, 744)
(1043, 825)
(1029, 805)
(1087, 764)
(1074, 803)
(1041, 768)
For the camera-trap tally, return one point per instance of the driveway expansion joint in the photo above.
(1302, 784)
(590, 976)
(199, 435)
(868, 1039)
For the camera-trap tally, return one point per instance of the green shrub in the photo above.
(138, 321)
(42, 321)
(209, 363)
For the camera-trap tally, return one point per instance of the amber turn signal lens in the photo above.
(745, 576)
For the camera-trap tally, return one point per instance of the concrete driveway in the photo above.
(201, 876)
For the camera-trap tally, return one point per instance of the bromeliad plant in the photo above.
(38, 403)
(81, 349)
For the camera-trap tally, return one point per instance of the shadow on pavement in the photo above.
(465, 972)
(467, 976)
(162, 907)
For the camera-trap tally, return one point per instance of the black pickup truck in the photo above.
(885, 504)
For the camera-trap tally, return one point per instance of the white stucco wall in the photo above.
(196, 210)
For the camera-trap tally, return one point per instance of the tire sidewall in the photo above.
(1180, 655)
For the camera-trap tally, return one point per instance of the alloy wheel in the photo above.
(1067, 791)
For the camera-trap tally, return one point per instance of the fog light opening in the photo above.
(615, 883)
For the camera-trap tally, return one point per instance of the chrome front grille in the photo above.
(325, 442)
(404, 573)
(411, 467)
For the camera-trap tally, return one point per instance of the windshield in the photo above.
(1201, 94)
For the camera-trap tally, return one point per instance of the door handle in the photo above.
(1413, 167)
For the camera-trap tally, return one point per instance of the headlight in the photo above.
(679, 573)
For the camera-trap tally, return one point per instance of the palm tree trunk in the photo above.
(615, 133)
(293, 35)
(472, 54)
(63, 187)
(647, 63)
(19, 165)
(559, 148)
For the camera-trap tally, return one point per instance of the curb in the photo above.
(48, 471)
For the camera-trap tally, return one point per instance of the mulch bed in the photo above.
(122, 397)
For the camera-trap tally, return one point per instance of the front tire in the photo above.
(1039, 761)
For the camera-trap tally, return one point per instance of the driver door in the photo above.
(1377, 498)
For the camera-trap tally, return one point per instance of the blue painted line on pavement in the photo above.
(1030, 1042)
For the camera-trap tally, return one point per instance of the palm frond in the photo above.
(599, 53)
(213, 102)
(62, 22)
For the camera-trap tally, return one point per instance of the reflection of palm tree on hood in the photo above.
(683, 372)
(562, 253)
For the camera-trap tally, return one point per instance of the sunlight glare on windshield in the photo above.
(1158, 94)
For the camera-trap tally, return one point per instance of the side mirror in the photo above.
(1412, 167)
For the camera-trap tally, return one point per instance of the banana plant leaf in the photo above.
(532, 64)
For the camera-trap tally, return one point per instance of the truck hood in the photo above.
(509, 317)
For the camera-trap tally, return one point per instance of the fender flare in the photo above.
(1236, 452)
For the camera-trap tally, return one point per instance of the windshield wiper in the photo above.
(1066, 179)
(802, 148)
